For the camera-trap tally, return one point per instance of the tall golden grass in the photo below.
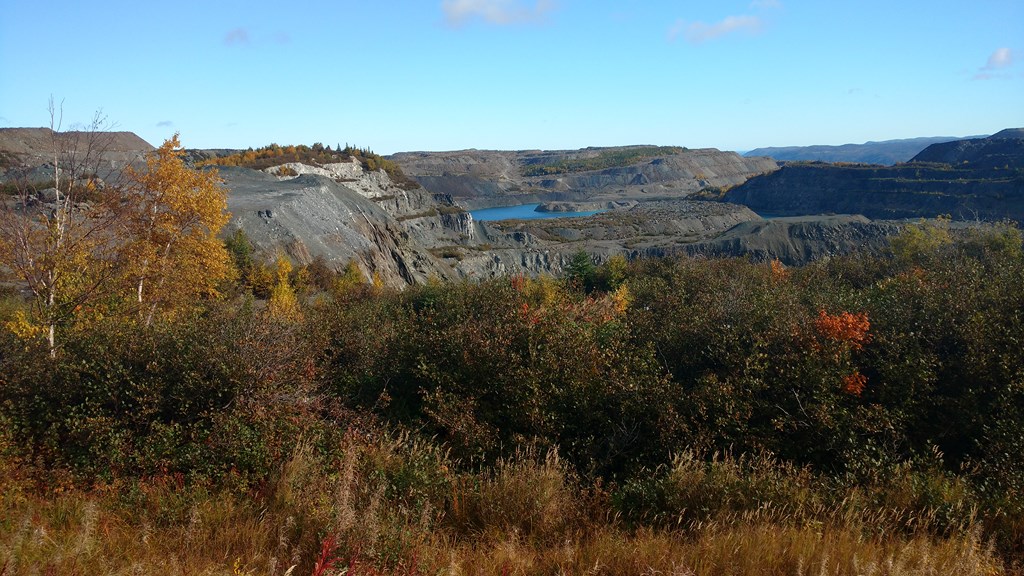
(397, 506)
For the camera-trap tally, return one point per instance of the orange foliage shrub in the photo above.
(845, 327)
(519, 282)
(779, 271)
(854, 384)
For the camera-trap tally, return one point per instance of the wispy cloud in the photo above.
(165, 124)
(699, 32)
(1001, 59)
(500, 12)
(243, 36)
(236, 36)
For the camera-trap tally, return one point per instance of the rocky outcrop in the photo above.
(799, 240)
(369, 184)
(314, 215)
(480, 179)
(496, 262)
(1004, 150)
(392, 235)
(903, 191)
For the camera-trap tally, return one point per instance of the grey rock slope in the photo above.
(657, 229)
(1002, 150)
(968, 180)
(652, 228)
(314, 215)
(480, 178)
(798, 240)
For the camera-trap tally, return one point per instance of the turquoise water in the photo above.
(522, 212)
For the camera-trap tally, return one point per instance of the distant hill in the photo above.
(886, 152)
(1004, 149)
(980, 178)
(34, 146)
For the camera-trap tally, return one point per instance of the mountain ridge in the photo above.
(980, 178)
(885, 152)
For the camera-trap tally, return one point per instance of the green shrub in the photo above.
(199, 398)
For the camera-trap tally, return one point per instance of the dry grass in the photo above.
(523, 496)
(748, 550)
(233, 539)
(696, 491)
(394, 507)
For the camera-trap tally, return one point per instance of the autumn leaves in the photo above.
(171, 252)
(142, 245)
(845, 333)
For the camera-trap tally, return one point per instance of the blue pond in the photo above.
(522, 212)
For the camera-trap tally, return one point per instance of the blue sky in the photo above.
(518, 74)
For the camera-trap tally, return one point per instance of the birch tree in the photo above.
(174, 215)
(55, 236)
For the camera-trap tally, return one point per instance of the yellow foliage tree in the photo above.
(621, 298)
(349, 279)
(172, 219)
(283, 304)
(59, 239)
(615, 271)
(920, 239)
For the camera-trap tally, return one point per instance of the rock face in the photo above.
(906, 191)
(661, 228)
(314, 215)
(799, 240)
(369, 184)
(976, 179)
(1002, 150)
(481, 179)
